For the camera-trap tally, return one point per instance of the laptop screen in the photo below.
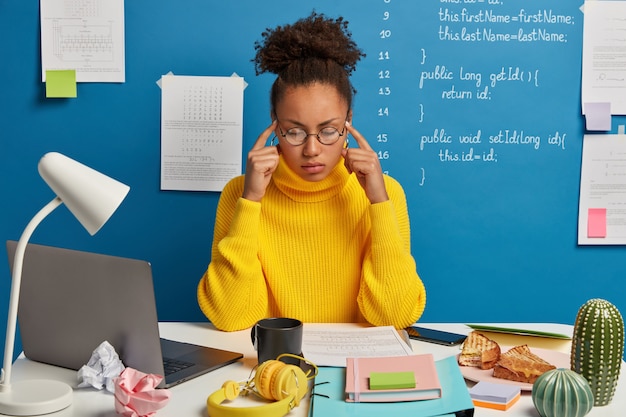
(72, 301)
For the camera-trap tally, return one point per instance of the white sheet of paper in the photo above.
(330, 346)
(603, 186)
(85, 35)
(604, 54)
(201, 131)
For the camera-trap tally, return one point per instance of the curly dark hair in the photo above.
(315, 49)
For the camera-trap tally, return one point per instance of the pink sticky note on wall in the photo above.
(596, 222)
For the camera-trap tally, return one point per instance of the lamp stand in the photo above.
(34, 397)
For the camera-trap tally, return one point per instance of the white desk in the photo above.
(189, 398)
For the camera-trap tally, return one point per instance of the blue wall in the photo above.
(494, 239)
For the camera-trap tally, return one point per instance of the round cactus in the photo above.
(597, 347)
(562, 393)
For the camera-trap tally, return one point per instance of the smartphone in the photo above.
(435, 336)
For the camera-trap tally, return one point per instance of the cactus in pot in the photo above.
(597, 347)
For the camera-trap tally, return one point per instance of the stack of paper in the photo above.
(332, 346)
(496, 396)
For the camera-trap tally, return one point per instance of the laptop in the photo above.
(71, 301)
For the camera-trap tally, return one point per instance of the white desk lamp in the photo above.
(92, 197)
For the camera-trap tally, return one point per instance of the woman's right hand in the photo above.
(261, 164)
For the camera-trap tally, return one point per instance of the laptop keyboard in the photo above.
(174, 365)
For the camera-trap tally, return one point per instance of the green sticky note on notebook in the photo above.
(60, 83)
(391, 380)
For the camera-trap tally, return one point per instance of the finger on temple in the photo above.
(360, 139)
(260, 142)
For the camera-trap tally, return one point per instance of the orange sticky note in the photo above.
(596, 222)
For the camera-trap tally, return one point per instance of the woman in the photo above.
(314, 230)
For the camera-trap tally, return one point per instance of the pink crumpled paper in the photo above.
(136, 394)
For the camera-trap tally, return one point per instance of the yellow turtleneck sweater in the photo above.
(315, 251)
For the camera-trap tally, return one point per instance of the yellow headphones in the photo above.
(274, 380)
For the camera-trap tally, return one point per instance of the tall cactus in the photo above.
(597, 347)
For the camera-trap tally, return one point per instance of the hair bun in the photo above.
(315, 37)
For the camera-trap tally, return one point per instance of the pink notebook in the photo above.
(427, 384)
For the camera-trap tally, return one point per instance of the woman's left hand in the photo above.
(363, 161)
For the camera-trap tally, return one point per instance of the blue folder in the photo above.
(328, 396)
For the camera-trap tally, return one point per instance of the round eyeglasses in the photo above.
(297, 136)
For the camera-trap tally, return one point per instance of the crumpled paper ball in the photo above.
(103, 367)
(136, 394)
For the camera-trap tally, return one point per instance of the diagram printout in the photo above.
(84, 35)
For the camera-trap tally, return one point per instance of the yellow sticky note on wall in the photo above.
(60, 83)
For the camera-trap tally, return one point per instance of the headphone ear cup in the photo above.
(275, 380)
(265, 377)
(290, 380)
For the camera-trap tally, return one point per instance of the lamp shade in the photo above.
(91, 196)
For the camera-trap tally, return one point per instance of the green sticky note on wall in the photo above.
(391, 380)
(60, 83)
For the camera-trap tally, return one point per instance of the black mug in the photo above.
(274, 336)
